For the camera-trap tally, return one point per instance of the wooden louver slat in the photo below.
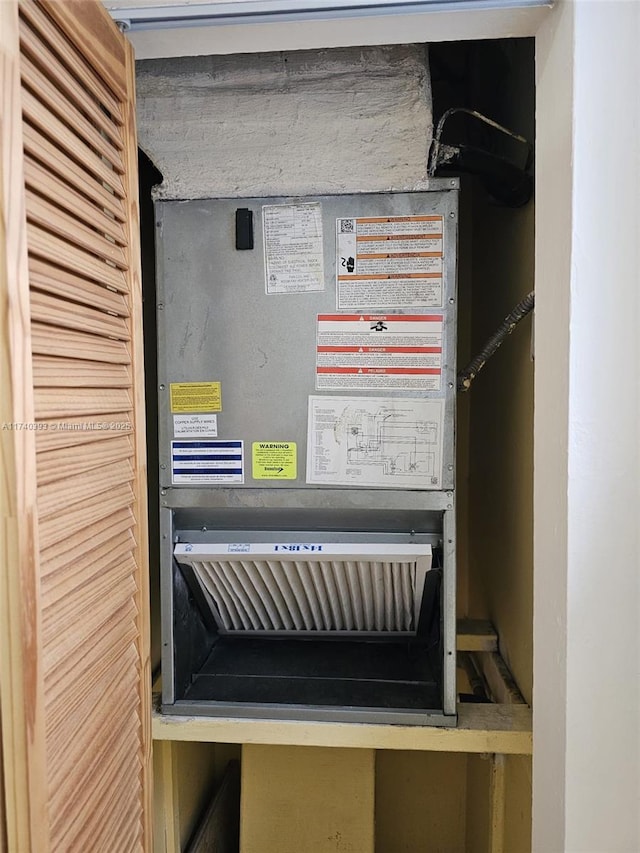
(50, 402)
(54, 39)
(53, 66)
(85, 593)
(70, 344)
(80, 746)
(78, 149)
(51, 309)
(53, 497)
(73, 461)
(51, 217)
(55, 528)
(38, 147)
(48, 246)
(71, 636)
(69, 199)
(95, 661)
(117, 764)
(68, 113)
(87, 696)
(82, 550)
(58, 281)
(50, 371)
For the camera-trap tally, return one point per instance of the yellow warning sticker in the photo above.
(196, 397)
(274, 460)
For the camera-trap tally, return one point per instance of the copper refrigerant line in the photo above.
(466, 376)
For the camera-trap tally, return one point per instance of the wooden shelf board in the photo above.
(476, 635)
(481, 728)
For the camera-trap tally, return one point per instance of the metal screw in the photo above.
(450, 384)
(449, 494)
(451, 300)
(205, 529)
(450, 467)
(452, 216)
(162, 387)
(163, 492)
(160, 306)
(163, 467)
(449, 506)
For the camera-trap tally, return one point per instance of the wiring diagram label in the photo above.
(375, 441)
(293, 250)
(388, 262)
(400, 352)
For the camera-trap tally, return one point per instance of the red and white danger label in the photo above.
(379, 351)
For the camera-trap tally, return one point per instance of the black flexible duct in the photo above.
(466, 376)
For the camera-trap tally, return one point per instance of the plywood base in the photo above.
(319, 800)
(420, 802)
(481, 728)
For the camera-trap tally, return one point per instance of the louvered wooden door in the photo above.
(75, 686)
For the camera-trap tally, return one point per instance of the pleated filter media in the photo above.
(282, 588)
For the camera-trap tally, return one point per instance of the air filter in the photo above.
(327, 588)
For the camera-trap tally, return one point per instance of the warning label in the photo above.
(379, 351)
(293, 254)
(200, 462)
(274, 460)
(389, 262)
(195, 397)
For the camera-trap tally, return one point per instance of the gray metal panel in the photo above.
(449, 690)
(167, 659)
(216, 323)
(320, 713)
(315, 498)
(205, 537)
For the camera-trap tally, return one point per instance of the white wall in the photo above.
(587, 502)
(306, 122)
(331, 31)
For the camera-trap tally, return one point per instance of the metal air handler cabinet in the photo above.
(307, 363)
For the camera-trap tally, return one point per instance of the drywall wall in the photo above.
(330, 30)
(316, 122)
(587, 547)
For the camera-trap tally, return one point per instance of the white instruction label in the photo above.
(207, 462)
(400, 352)
(375, 441)
(386, 262)
(293, 259)
(191, 426)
